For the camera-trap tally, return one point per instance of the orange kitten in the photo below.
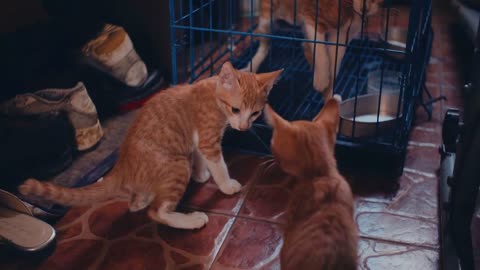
(176, 135)
(321, 232)
(327, 22)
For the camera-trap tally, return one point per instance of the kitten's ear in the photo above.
(227, 76)
(330, 113)
(267, 80)
(272, 118)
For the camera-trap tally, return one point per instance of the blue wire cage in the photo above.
(206, 33)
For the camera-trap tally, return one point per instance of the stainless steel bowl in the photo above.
(366, 115)
(396, 40)
(389, 81)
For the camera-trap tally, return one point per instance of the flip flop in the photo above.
(19, 228)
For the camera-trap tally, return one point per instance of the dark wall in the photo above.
(20, 13)
(37, 37)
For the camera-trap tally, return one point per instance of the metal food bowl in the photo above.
(390, 82)
(366, 115)
(396, 40)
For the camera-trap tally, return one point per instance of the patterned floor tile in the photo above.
(251, 245)
(397, 218)
(422, 158)
(410, 217)
(379, 255)
(268, 198)
(107, 236)
(208, 197)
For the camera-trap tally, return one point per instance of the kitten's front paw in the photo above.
(198, 219)
(230, 187)
(201, 176)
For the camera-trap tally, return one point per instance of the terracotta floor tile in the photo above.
(450, 65)
(433, 78)
(425, 135)
(397, 228)
(134, 255)
(114, 220)
(453, 79)
(381, 255)
(434, 89)
(251, 245)
(397, 218)
(268, 198)
(79, 254)
(203, 242)
(207, 196)
(409, 217)
(417, 197)
(264, 202)
(271, 175)
(70, 232)
(397, 198)
(421, 121)
(72, 216)
(454, 97)
(423, 158)
(421, 114)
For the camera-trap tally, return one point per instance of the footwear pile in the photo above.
(41, 131)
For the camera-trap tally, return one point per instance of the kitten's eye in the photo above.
(255, 113)
(235, 110)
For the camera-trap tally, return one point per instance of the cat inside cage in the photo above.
(366, 51)
(327, 21)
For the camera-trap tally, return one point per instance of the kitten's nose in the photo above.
(243, 127)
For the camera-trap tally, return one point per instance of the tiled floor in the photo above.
(399, 230)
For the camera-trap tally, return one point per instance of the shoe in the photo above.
(112, 96)
(18, 227)
(113, 52)
(74, 101)
(133, 98)
(39, 146)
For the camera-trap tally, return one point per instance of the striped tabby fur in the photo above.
(176, 136)
(321, 232)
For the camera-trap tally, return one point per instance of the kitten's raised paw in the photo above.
(198, 219)
(230, 187)
(202, 176)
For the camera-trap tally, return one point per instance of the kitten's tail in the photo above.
(101, 190)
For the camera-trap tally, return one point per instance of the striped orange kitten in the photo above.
(176, 135)
(327, 24)
(321, 232)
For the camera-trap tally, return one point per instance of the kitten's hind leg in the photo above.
(335, 55)
(140, 201)
(168, 191)
(165, 214)
(264, 47)
(321, 70)
(200, 174)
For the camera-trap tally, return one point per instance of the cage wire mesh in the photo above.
(386, 58)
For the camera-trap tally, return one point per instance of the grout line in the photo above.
(261, 220)
(393, 242)
(220, 249)
(240, 204)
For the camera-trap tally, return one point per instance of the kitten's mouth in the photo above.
(240, 128)
(237, 128)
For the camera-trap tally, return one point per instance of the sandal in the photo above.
(19, 228)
